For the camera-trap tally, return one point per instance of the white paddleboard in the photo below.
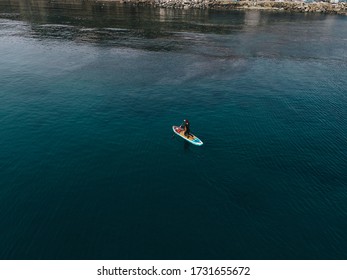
(191, 138)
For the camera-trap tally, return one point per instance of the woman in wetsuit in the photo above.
(186, 127)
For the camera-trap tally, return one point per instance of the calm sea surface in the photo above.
(88, 165)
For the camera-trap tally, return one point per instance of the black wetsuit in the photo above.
(187, 126)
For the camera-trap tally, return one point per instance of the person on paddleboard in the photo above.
(186, 127)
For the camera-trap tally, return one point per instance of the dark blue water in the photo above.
(88, 165)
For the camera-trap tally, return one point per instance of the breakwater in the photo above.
(299, 6)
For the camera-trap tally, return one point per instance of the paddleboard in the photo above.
(192, 138)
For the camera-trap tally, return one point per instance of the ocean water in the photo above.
(89, 167)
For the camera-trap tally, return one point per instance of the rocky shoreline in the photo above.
(290, 6)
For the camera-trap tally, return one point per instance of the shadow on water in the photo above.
(186, 146)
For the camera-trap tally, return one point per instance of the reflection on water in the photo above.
(123, 25)
(252, 18)
(149, 22)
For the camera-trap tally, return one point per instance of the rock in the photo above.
(318, 7)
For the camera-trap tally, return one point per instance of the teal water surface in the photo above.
(89, 168)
